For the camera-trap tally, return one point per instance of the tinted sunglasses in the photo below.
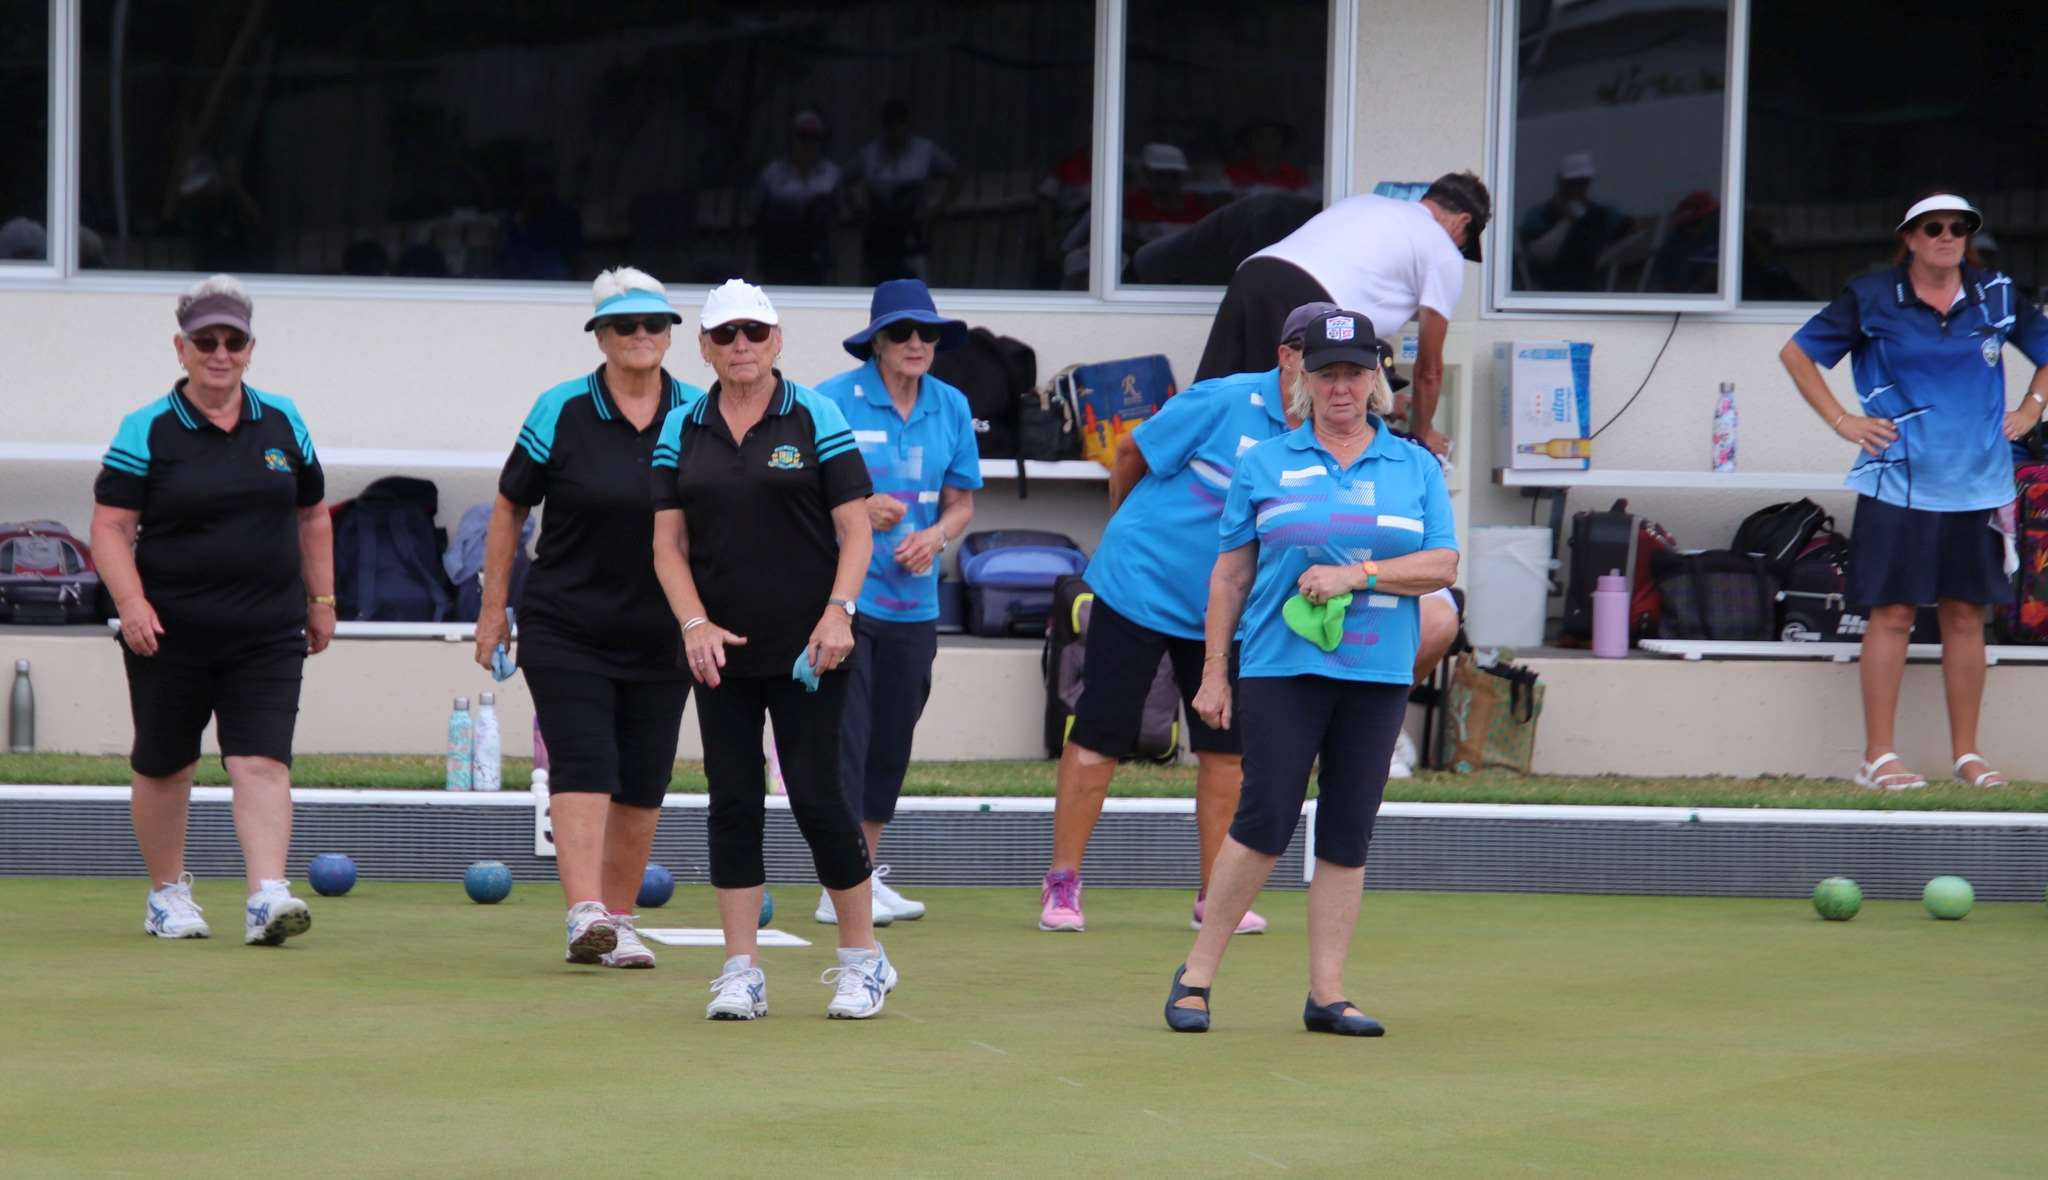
(653, 325)
(1956, 229)
(724, 334)
(903, 330)
(233, 341)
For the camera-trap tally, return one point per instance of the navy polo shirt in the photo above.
(592, 602)
(218, 546)
(909, 460)
(1939, 375)
(758, 511)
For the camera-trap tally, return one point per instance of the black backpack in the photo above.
(387, 555)
(1779, 534)
(994, 372)
(1066, 647)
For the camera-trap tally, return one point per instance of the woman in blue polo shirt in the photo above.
(917, 436)
(595, 638)
(1352, 525)
(1926, 341)
(761, 540)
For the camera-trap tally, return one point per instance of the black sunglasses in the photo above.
(903, 330)
(724, 334)
(1956, 229)
(232, 341)
(653, 325)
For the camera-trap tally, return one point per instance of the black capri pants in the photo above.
(889, 679)
(1288, 723)
(807, 741)
(607, 735)
(249, 683)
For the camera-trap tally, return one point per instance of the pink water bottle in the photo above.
(1610, 616)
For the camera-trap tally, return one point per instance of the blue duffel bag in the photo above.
(1009, 576)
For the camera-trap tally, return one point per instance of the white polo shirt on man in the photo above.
(1376, 255)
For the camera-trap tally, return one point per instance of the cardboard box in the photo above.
(1543, 405)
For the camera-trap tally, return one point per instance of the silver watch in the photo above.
(845, 604)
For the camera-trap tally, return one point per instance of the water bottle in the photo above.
(1724, 428)
(485, 760)
(461, 740)
(21, 713)
(1610, 616)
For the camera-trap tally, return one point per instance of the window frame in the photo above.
(1498, 280)
(1106, 292)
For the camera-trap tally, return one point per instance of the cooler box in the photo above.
(1543, 405)
(1009, 576)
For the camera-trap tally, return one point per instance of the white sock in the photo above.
(268, 886)
(849, 955)
(738, 963)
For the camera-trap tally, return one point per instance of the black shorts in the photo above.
(889, 679)
(1116, 676)
(606, 735)
(1913, 557)
(249, 685)
(1293, 722)
(1246, 331)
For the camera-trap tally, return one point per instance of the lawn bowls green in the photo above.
(1837, 898)
(1948, 898)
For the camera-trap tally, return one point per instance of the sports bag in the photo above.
(1716, 594)
(46, 575)
(1066, 646)
(387, 555)
(1009, 576)
(1045, 427)
(1490, 713)
(1779, 534)
(1812, 606)
(464, 562)
(1108, 400)
(1613, 540)
(996, 373)
(2025, 619)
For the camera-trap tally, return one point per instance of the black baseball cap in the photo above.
(1340, 336)
(1301, 317)
(1463, 192)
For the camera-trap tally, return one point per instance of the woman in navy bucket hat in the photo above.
(916, 435)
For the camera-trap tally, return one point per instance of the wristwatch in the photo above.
(845, 604)
(320, 600)
(1372, 574)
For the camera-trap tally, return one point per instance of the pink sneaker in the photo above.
(1251, 923)
(1060, 902)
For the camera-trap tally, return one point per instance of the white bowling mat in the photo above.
(695, 936)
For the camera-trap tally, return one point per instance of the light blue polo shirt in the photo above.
(1939, 376)
(1302, 509)
(909, 461)
(1153, 565)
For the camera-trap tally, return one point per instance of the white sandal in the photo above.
(1982, 780)
(1898, 780)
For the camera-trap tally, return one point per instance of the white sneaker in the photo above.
(592, 933)
(1403, 765)
(173, 913)
(882, 915)
(740, 994)
(901, 908)
(859, 983)
(629, 951)
(274, 915)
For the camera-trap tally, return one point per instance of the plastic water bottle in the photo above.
(21, 713)
(485, 761)
(1724, 428)
(1610, 616)
(461, 741)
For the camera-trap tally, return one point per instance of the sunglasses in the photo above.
(1956, 229)
(903, 330)
(232, 341)
(724, 334)
(627, 325)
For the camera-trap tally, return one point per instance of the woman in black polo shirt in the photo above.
(210, 535)
(595, 637)
(761, 540)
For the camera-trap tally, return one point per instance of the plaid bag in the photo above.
(1490, 717)
(1716, 594)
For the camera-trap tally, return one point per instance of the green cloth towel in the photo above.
(1322, 625)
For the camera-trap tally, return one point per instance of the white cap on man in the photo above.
(736, 301)
(1576, 166)
(1163, 157)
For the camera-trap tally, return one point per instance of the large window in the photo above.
(1617, 163)
(812, 144)
(1223, 133)
(25, 155)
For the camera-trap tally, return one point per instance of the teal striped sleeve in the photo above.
(129, 452)
(668, 453)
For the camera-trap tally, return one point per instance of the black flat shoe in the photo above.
(1186, 1019)
(1330, 1018)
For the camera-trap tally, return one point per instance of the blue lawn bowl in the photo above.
(331, 874)
(487, 882)
(767, 907)
(657, 885)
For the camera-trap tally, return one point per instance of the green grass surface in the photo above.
(1036, 778)
(414, 1034)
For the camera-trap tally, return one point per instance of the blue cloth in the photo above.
(908, 461)
(1941, 379)
(803, 673)
(903, 299)
(1151, 566)
(1301, 508)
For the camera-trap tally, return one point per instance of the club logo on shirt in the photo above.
(1990, 348)
(786, 458)
(275, 460)
(1341, 327)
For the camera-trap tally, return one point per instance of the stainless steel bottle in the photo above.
(21, 713)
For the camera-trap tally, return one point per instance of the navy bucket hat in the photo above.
(904, 299)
